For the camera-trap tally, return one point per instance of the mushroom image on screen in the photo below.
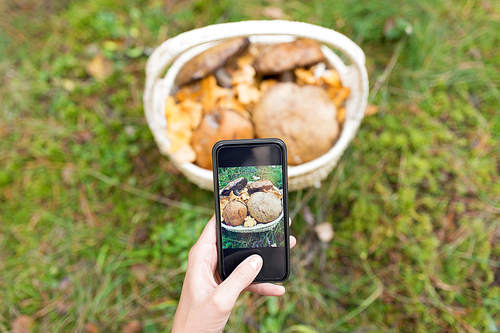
(264, 207)
(235, 186)
(235, 213)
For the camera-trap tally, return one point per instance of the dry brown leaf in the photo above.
(324, 231)
(133, 327)
(22, 324)
(91, 328)
(371, 110)
(100, 67)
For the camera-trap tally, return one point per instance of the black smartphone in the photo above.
(251, 205)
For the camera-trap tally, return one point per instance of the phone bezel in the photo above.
(215, 162)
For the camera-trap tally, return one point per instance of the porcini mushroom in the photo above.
(304, 117)
(216, 126)
(235, 213)
(278, 58)
(260, 186)
(234, 186)
(264, 207)
(210, 60)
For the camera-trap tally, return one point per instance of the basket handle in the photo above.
(169, 50)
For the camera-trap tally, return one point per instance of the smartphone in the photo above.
(251, 204)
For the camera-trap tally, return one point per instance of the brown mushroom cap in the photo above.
(216, 126)
(236, 185)
(278, 58)
(259, 186)
(235, 213)
(264, 207)
(304, 117)
(208, 61)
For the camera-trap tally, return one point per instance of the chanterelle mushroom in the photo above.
(208, 61)
(216, 126)
(236, 186)
(278, 58)
(304, 117)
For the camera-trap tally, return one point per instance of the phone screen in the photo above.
(251, 197)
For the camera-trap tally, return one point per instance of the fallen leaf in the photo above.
(91, 328)
(22, 324)
(324, 231)
(133, 327)
(371, 110)
(141, 236)
(100, 68)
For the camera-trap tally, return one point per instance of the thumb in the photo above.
(241, 277)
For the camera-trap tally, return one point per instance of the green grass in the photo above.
(95, 225)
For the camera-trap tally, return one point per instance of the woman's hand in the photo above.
(206, 301)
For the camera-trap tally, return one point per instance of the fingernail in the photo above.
(255, 262)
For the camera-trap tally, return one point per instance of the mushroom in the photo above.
(216, 126)
(235, 186)
(264, 207)
(235, 213)
(260, 186)
(210, 60)
(304, 117)
(277, 58)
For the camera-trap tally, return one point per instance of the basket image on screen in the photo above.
(175, 52)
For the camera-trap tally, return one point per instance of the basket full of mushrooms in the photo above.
(260, 79)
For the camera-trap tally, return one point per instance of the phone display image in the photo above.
(251, 206)
(251, 201)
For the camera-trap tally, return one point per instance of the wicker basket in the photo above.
(176, 51)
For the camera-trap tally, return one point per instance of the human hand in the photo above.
(206, 301)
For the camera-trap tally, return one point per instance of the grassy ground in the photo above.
(95, 225)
